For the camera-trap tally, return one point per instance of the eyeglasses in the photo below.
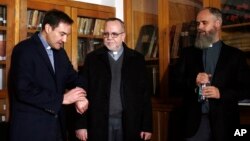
(113, 34)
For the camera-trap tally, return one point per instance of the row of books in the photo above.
(3, 105)
(3, 15)
(235, 12)
(85, 46)
(2, 74)
(147, 42)
(90, 26)
(3, 109)
(239, 40)
(34, 19)
(2, 118)
(182, 35)
(86, 26)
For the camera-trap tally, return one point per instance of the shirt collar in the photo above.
(116, 54)
(44, 42)
(218, 43)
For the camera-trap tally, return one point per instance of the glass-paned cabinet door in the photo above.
(89, 36)
(3, 68)
(3, 35)
(142, 35)
(182, 31)
(182, 25)
(236, 24)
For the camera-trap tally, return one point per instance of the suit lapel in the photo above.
(43, 54)
(103, 57)
(220, 63)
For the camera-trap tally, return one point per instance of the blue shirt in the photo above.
(48, 50)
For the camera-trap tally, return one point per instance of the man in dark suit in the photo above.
(118, 91)
(212, 77)
(39, 75)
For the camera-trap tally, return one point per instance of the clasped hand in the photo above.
(77, 96)
(208, 91)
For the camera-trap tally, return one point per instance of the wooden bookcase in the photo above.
(75, 10)
(6, 45)
(17, 29)
(42, 6)
(236, 26)
(92, 13)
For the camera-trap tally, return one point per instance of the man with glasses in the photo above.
(118, 91)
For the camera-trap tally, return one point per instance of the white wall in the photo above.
(118, 4)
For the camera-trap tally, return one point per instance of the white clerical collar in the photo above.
(116, 54)
(48, 47)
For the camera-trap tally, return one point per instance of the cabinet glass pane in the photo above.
(144, 27)
(182, 30)
(145, 36)
(236, 23)
(182, 24)
(235, 12)
(3, 15)
(89, 32)
(3, 31)
(85, 46)
(34, 19)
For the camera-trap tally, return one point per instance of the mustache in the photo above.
(203, 40)
(199, 33)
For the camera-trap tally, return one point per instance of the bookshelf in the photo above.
(88, 19)
(6, 45)
(236, 26)
(27, 17)
(142, 34)
(235, 29)
(87, 32)
(19, 22)
(75, 9)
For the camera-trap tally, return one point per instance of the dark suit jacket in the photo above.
(231, 77)
(36, 91)
(135, 95)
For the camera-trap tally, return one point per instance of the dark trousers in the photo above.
(59, 132)
(115, 129)
(204, 131)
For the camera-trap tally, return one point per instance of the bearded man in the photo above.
(212, 77)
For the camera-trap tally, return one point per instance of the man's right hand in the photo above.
(82, 134)
(203, 78)
(81, 106)
(74, 95)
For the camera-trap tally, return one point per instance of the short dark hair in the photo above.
(116, 19)
(54, 17)
(214, 11)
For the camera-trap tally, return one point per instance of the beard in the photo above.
(204, 41)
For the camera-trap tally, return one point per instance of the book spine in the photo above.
(2, 46)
